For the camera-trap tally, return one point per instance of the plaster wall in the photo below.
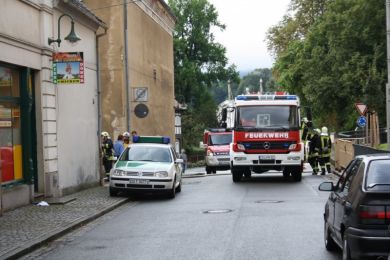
(77, 118)
(150, 65)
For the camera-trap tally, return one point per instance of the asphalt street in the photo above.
(266, 217)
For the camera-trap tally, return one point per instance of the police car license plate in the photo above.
(267, 157)
(136, 181)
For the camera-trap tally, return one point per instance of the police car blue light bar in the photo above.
(151, 139)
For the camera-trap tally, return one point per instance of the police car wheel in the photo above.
(172, 192)
(113, 192)
(178, 189)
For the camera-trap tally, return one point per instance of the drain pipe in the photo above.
(127, 83)
(99, 102)
(388, 72)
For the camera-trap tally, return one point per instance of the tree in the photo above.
(302, 14)
(339, 61)
(199, 63)
(252, 81)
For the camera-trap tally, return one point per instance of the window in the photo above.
(144, 153)
(350, 174)
(273, 117)
(10, 125)
(378, 175)
(220, 139)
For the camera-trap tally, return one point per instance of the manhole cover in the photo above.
(217, 211)
(269, 201)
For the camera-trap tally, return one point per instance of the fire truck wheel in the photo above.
(247, 173)
(296, 174)
(237, 175)
(208, 170)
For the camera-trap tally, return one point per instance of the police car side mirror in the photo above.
(179, 161)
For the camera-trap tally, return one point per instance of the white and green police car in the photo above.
(149, 164)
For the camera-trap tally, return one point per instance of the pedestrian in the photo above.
(126, 139)
(314, 149)
(326, 146)
(118, 146)
(108, 153)
(306, 132)
(183, 156)
(133, 133)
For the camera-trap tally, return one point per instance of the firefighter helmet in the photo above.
(126, 134)
(317, 130)
(105, 134)
(324, 130)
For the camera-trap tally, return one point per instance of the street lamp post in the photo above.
(72, 36)
(261, 86)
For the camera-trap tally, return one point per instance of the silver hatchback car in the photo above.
(150, 164)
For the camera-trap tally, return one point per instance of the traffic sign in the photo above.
(361, 108)
(362, 121)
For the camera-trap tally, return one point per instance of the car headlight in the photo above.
(118, 172)
(161, 174)
(209, 153)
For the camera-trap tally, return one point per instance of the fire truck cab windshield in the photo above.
(220, 139)
(268, 117)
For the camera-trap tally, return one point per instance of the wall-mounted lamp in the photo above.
(72, 36)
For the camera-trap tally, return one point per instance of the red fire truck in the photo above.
(266, 135)
(216, 143)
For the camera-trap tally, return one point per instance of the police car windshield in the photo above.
(147, 153)
(268, 117)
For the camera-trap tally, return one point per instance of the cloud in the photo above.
(247, 22)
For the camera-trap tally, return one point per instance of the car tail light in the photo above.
(238, 147)
(373, 214)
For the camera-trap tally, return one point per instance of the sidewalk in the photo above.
(25, 229)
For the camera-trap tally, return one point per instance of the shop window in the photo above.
(10, 125)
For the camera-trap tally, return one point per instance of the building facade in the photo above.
(49, 137)
(136, 67)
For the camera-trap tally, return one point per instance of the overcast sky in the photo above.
(247, 22)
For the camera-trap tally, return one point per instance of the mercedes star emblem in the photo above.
(266, 145)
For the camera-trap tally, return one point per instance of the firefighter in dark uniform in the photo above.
(326, 146)
(314, 150)
(108, 152)
(306, 129)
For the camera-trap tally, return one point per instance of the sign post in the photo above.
(362, 120)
